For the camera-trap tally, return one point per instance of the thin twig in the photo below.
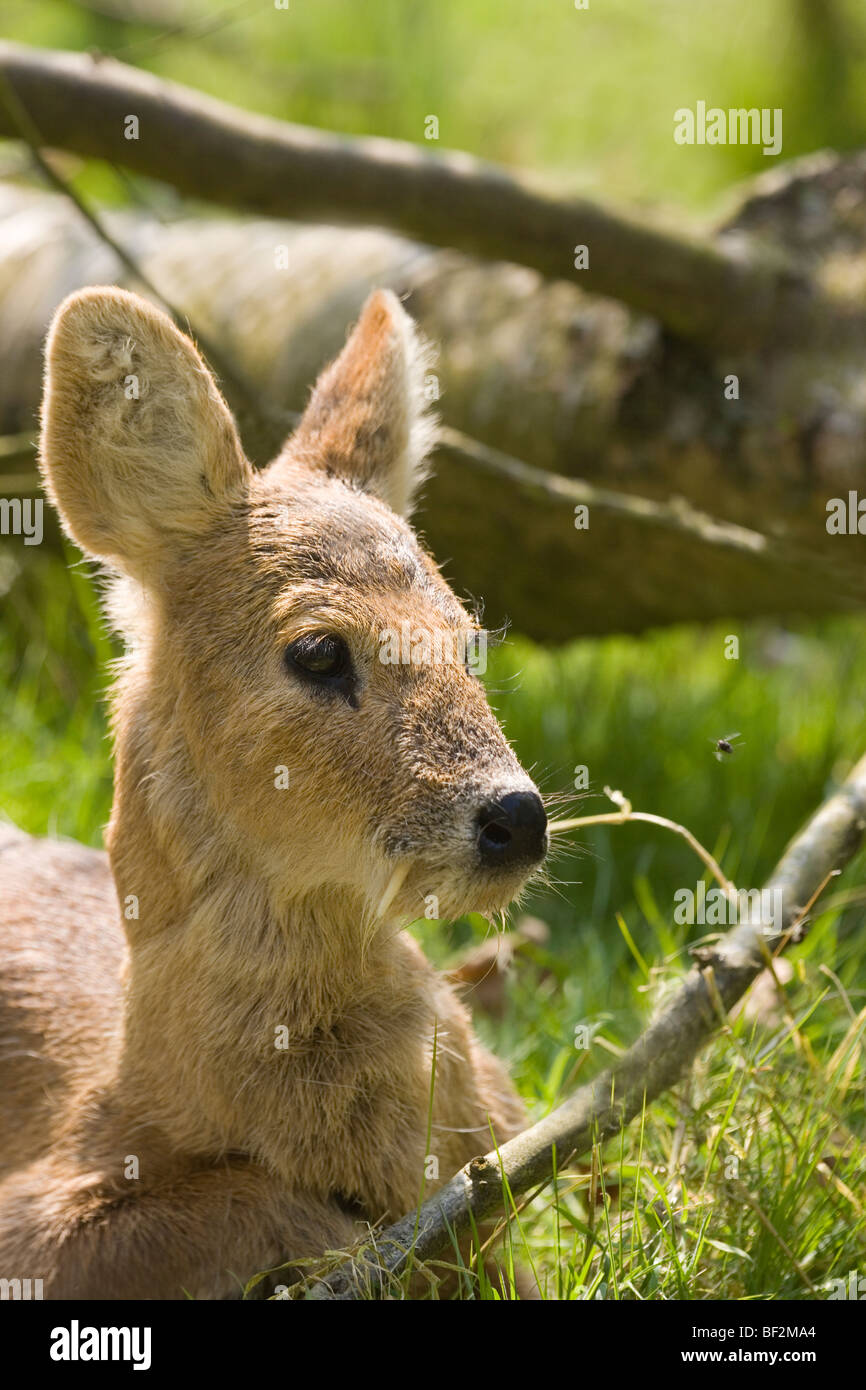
(625, 814)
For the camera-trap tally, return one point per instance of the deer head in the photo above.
(295, 706)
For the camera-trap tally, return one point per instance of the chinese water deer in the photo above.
(216, 1043)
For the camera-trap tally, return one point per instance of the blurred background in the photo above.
(582, 102)
(584, 99)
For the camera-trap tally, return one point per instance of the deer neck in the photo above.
(228, 978)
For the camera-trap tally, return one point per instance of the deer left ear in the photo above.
(367, 421)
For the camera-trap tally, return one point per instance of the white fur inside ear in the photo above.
(138, 450)
(369, 420)
(109, 360)
(401, 487)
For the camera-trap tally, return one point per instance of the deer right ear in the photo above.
(139, 451)
(367, 421)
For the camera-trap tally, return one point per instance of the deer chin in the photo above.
(413, 890)
(496, 896)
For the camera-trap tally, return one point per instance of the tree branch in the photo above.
(578, 403)
(210, 150)
(653, 1064)
(676, 515)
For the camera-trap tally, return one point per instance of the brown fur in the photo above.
(154, 1035)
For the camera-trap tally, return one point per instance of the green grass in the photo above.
(749, 1182)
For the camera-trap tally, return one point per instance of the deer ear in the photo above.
(139, 451)
(367, 420)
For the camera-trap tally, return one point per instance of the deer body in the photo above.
(216, 1051)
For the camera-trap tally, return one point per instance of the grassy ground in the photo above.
(747, 1184)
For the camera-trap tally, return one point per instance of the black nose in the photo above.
(512, 831)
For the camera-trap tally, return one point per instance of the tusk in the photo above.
(395, 883)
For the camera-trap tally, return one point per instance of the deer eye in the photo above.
(323, 659)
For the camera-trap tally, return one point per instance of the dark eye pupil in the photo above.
(322, 658)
